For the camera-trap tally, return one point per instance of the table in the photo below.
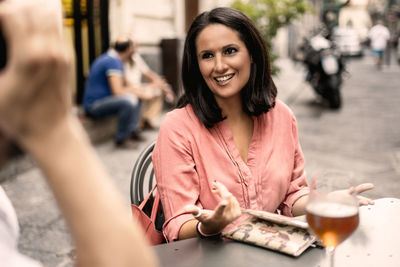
(375, 243)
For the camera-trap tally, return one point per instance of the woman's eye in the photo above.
(230, 50)
(207, 55)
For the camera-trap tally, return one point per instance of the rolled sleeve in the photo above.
(177, 179)
(172, 227)
(298, 185)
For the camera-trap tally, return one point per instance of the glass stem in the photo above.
(330, 253)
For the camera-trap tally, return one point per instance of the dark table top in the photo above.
(375, 243)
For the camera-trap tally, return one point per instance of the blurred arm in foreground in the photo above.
(35, 112)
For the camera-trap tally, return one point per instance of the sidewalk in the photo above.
(44, 235)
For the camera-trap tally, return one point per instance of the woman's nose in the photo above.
(219, 64)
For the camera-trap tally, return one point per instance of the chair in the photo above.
(142, 181)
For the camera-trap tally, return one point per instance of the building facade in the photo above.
(357, 16)
(157, 26)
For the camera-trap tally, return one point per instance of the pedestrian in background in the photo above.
(107, 93)
(151, 92)
(379, 36)
(35, 111)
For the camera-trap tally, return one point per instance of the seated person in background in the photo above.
(35, 111)
(107, 93)
(151, 92)
(230, 144)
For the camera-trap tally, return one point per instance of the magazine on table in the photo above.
(285, 234)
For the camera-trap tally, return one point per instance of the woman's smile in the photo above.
(224, 78)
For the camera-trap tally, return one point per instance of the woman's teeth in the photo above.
(224, 78)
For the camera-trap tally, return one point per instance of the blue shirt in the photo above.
(97, 85)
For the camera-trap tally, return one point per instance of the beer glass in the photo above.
(332, 214)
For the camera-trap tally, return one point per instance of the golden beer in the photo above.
(332, 222)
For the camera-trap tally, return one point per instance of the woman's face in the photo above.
(224, 61)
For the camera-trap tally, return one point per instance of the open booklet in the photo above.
(273, 231)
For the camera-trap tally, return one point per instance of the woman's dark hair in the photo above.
(258, 95)
(122, 46)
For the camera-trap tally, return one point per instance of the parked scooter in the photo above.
(325, 67)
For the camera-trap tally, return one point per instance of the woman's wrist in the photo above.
(299, 206)
(202, 234)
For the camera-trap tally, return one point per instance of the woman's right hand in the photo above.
(227, 210)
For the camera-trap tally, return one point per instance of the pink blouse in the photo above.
(188, 157)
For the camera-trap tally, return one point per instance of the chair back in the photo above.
(142, 182)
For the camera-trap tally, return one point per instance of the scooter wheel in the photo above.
(335, 99)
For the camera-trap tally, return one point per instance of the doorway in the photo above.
(87, 31)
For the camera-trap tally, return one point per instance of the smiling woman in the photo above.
(257, 96)
(230, 144)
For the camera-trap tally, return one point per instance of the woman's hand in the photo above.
(166, 88)
(362, 201)
(356, 190)
(299, 207)
(227, 210)
(169, 94)
(34, 95)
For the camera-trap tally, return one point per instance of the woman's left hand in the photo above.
(356, 190)
(363, 201)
